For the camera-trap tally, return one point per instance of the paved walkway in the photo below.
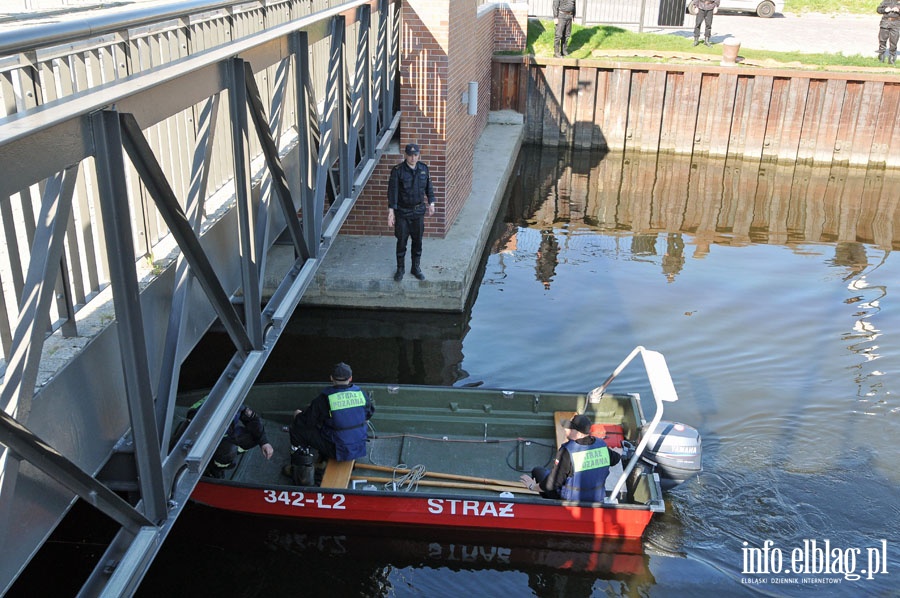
(809, 33)
(358, 270)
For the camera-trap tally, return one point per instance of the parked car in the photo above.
(762, 8)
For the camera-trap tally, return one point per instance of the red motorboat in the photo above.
(450, 458)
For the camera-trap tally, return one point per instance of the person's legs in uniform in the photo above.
(401, 232)
(223, 459)
(244, 440)
(310, 437)
(567, 33)
(416, 228)
(698, 21)
(708, 18)
(308, 446)
(883, 35)
(540, 474)
(894, 35)
(558, 37)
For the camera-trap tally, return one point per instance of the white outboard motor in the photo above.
(674, 450)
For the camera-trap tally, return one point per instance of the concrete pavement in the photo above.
(809, 33)
(357, 271)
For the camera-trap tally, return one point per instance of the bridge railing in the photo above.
(46, 64)
(146, 170)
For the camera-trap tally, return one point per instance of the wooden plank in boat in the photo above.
(558, 417)
(337, 474)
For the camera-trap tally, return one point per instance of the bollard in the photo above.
(730, 48)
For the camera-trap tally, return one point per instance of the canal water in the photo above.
(768, 290)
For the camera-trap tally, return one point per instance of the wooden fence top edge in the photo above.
(609, 64)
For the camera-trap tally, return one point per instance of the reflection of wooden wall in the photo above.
(718, 201)
(752, 114)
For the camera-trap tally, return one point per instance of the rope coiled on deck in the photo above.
(408, 481)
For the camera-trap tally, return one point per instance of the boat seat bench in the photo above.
(337, 474)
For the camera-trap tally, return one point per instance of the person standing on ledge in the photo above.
(705, 11)
(888, 30)
(563, 13)
(410, 194)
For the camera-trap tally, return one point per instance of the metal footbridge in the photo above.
(150, 159)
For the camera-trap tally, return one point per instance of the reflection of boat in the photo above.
(604, 557)
(466, 447)
(275, 555)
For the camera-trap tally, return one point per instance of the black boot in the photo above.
(706, 41)
(401, 269)
(696, 41)
(415, 270)
(892, 58)
(556, 53)
(882, 54)
(302, 468)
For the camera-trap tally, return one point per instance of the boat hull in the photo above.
(430, 511)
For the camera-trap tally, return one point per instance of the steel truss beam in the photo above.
(108, 124)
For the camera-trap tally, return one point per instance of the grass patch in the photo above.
(605, 37)
(864, 7)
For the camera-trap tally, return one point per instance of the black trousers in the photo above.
(310, 436)
(563, 32)
(408, 226)
(703, 16)
(227, 451)
(888, 34)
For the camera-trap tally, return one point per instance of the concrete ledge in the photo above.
(357, 271)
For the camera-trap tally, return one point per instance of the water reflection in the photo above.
(717, 202)
(768, 290)
(865, 299)
(658, 208)
(283, 557)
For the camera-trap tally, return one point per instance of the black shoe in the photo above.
(696, 42)
(417, 273)
(708, 45)
(398, 275)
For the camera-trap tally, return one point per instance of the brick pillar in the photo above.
(444, 44)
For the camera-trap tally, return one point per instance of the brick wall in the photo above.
(510, 26)
(445, 44)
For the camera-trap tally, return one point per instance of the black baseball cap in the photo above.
(580, 422)
(412, 149)
(341, 372)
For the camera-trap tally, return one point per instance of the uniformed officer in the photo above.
(245, 431)
(410, 195)
(334, 423)
(563, 13)
(888, 30)
(580, 468)
(705, 11)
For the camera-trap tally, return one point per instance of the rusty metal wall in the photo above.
(753, 114)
